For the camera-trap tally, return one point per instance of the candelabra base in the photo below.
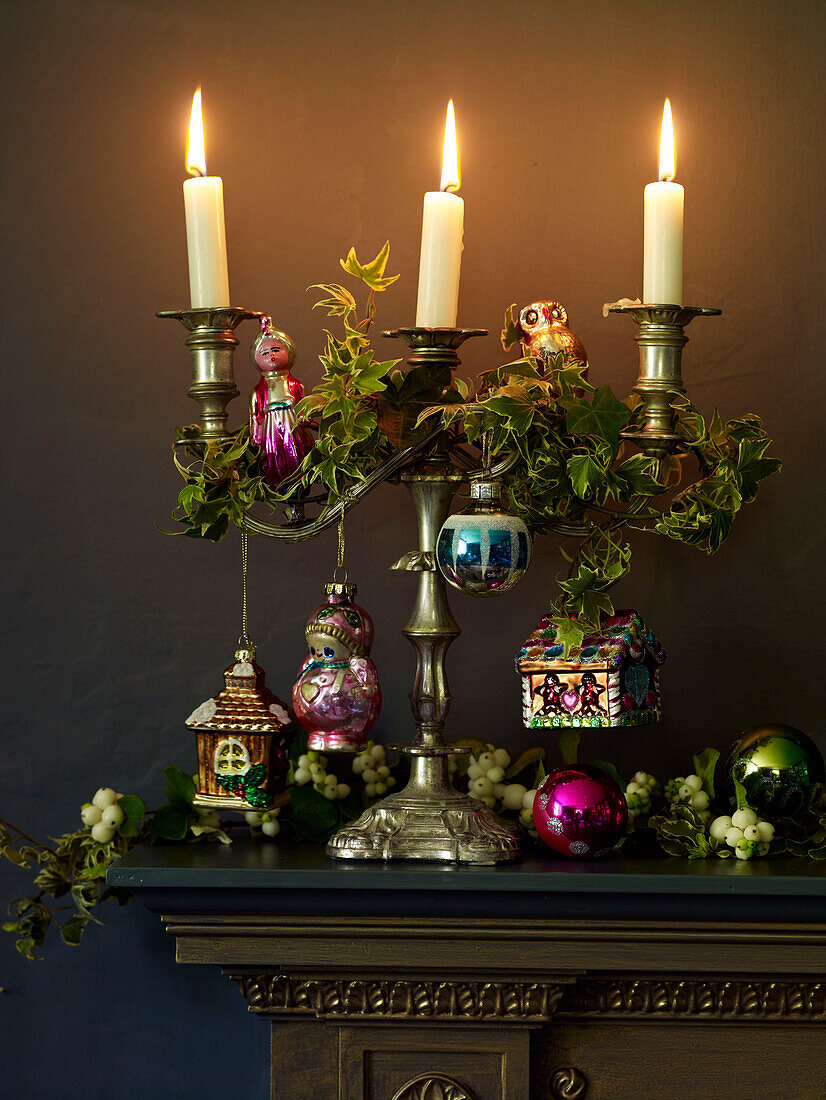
(429, 820)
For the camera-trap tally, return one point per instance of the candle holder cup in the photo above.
(212, 344)
(661, 339)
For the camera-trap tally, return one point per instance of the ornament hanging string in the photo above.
(244, 640)
(340, 554)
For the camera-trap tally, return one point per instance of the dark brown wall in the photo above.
(324, 120)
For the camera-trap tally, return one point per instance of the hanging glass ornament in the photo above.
(336, 697)
(485, 550)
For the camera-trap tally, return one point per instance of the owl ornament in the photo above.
(337, 698)
(543, 329)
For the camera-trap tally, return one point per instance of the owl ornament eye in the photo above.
(531, 317)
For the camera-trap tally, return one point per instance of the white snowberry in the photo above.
(390, 781)
(513, 795)
(752, 832)
(685, 791)
(382, 771)
(481, 787)
(104, 796)
(499, 790)
(502, 758)
(496, 774)
(359, 764)
(90, 815)
(302, 776)
(252, 817)
(766, 830)
(526, 818)
(527, 799)
(329, 793)
(475, 770)
(743, 818)
(304, 761)
(330, 781)
(381, 788)
(370, 790)
(694, 782)
(369, 775)
(113, 816)
(270, 828)
(102, 833)
(209, 819)
(640, 777)
(378, 752)
(342, 790)
(699, 800)
(486, 760)
(741, 853)
(733, 836)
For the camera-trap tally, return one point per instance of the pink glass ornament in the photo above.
(580, 811)
(337, 697)
(272, 405)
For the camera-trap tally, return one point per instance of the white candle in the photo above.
(441, 256)
(206, 239)
(662, 280)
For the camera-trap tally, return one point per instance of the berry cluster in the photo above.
(688, 790)
(744, 831)
(267, 821)
(312, 768)
(371, 764)
(103, 815)
(638, 794)
(486, 774)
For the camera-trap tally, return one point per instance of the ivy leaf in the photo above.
(72, 930)
(603, 417)
(741, 796)
(612, 771)
(529, 756)
(255, 775)
(134, 809)
(510, 333)
(311, 816)
(752, 467)
(586, 473)
(569, 632)
(705, 765)
(640, 472)
(372, 273)
(170, 823)
(339, 303)
(180, 787)
(569, 740)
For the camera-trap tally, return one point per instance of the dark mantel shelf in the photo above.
(252, 876)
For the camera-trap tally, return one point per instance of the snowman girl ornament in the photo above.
(337, 697)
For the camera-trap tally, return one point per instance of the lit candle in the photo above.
(206, 239)
(662, 279)
(441, 257)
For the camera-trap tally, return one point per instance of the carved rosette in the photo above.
(405, 999)
(699, 998)
(433, 1086)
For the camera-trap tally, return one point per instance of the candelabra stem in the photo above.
(429, 819)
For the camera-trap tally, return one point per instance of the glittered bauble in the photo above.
(484, 551)
(580, 811)
(780, 768)
(337, 697)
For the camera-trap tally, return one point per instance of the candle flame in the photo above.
(667, 165)
(195, 154)
(450, 157)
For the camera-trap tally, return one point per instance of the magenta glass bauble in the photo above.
(580, 811)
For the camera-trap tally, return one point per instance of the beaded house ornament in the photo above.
(612, 679)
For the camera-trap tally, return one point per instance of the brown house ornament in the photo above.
(612, 679)
(243, 735)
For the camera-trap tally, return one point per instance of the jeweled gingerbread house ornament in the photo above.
(612, 679)
(243, 735)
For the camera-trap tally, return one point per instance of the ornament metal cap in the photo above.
(486, 491)
(245, 651)
(340, 588)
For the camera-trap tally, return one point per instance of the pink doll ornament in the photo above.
(337, 697)
(273, 425)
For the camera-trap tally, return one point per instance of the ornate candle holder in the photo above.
(661, 340)
(212, 344)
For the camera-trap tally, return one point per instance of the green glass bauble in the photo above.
(781, 769)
